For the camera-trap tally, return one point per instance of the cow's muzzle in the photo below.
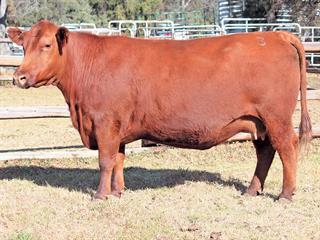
(20, 80)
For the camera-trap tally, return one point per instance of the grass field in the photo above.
(170, 194)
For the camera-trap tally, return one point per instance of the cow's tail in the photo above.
(305, 129)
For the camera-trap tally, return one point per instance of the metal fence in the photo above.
(313, 59)
(154, 29)
(145, 29)
(197, 31)
(169, 30)
(310, 34)
(236, 25)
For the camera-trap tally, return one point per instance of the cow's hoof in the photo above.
(285, 197)
(251, 192)
(117, 193)
(99, 196)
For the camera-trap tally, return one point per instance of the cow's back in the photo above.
(195, 88)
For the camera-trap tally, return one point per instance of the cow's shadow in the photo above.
(136, 178)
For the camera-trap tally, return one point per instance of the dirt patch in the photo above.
(44, 96)
(314, 80)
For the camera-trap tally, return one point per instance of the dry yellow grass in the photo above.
(314, 80)
(172, 194)
(37, 133)
(44, 96)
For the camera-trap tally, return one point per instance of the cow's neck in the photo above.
(74, 79)
(78, 68)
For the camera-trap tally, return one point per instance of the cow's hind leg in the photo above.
(265, 154)
(285, 141)
(117, 183)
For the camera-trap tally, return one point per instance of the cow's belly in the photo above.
(184, 138)
(205, 137)
(191, 139)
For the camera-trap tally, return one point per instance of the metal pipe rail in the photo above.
(310, 34)
(197, 31)
(156, 29)
(147, 26)
(306, 33)
(245, 21)
(121, 26)
(97, 31)
(314, 59)
(250, 27)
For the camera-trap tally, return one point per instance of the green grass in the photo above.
(171, 194)
(23, 236)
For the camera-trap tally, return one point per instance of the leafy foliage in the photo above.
(27, 12)
(303, 11)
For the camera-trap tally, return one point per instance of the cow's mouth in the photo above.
(23, 84)
(46, 82)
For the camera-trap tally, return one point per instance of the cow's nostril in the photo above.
(13, 81)
(22, 78)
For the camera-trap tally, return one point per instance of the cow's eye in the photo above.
(46, 47)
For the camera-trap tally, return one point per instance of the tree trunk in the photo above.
(3, 10)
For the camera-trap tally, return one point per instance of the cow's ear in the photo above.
(16, 35)
(62, 38)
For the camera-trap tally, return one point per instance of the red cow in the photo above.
(189, 94)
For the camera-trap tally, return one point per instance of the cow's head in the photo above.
(44, 57)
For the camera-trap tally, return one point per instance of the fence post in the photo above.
(247, 22)
(312, 34)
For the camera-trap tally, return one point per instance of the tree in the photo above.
(3, 13)
(302, 11)
(188, 5)
(305, 11)
(28, 12)
(106, 10)
(3, 10)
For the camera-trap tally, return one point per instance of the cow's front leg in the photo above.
(117, 185)
(108, 145)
